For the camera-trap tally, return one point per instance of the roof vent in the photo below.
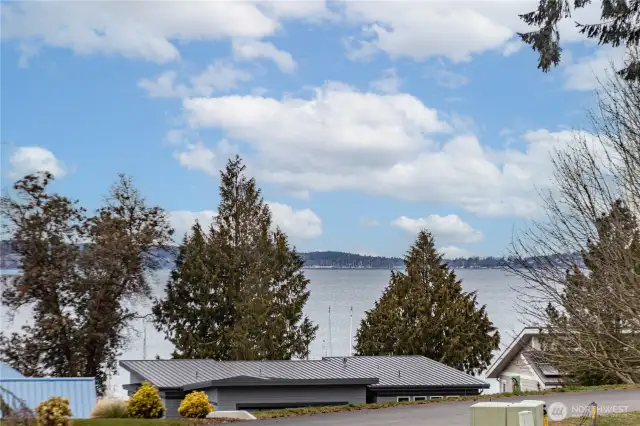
(196, 375)
(398, 373)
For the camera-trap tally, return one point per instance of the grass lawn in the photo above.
(292, 412)
(625, 419)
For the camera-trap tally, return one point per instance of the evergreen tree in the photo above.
(425, 311)
(619, 26)
(238, 292)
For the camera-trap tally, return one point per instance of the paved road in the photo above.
(457, 413)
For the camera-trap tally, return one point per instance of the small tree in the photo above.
(145, 403)
(425, 311)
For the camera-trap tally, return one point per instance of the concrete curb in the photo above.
(240, 415)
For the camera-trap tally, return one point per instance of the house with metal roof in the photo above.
(523, 365)
(258, 385)
(18, 391)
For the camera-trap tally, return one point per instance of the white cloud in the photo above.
(457, 30)
(584, 73)
(344, 139)
(31, 159)
(448, 228)
(303, 224)
(453, 252)
(388, 82)
(218, 77)
(338, 120)
(183, 220)
(198, 157)
(249, 50)
(146, 30)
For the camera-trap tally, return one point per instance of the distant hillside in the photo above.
(326, 259)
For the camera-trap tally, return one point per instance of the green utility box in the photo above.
(536, 408)
(505, 413)
(489, 414)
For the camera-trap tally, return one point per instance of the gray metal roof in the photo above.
(408, 371)
(392, 371)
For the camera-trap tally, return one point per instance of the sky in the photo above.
(362, 121)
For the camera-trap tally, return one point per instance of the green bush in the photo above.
(110, 408)
(195, 405)
(55, 411)
(145, 403)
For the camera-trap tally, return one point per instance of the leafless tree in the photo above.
(589, 303)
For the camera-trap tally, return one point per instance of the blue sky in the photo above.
(362, 121)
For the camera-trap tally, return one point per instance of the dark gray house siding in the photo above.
(267, 397)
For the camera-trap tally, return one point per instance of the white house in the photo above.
(521, 364)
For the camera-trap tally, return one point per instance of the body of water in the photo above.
(340, 290)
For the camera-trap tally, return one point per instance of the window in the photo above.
(435, 397)
(404, 399)
(419, 398)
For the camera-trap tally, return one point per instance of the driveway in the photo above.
(457, 413)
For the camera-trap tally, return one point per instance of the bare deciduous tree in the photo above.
(590, 312)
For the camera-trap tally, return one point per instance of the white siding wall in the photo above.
(519, 367)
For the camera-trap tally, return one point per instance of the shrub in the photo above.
(110, 408)
(145, 403)
(195, 405)
(55, 411)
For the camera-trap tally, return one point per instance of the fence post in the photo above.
(594, 413)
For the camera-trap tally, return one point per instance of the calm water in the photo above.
(340, 290)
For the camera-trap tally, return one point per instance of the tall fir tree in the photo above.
(425, 311)
(238, 291)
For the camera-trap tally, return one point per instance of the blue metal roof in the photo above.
(7, 372)
(80, 391)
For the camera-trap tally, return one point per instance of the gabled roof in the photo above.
(521, 341)
(383, 371)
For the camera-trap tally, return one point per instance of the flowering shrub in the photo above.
(145, 403)
(195, 405)
(55, 411)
